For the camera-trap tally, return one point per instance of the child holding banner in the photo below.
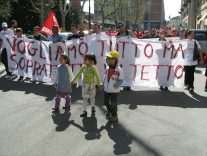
(113, 80)
(91, 78)
(62, 83)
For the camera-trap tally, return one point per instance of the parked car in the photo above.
(201, 37)
(65, 35)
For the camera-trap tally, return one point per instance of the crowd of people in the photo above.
(114, 75)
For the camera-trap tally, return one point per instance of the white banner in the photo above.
(144, 62)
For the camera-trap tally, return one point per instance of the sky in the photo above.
(172, 7)
(86, 6)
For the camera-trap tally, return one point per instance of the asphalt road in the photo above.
(151, 123)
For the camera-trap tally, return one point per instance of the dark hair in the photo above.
(91, 57)
(74, 25)
(55, 26)
(37, 28)
(97, 24)
(13, 21)
(188, 33)
(65, 57)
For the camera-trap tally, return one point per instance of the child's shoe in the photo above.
(55, 109)
(191, 90)
(113, 119)
(20, 78)
(84, 114)
(93, 109)
(187, 87)
(108, 115)
(161, 88)
(166, 89)
(66, 108)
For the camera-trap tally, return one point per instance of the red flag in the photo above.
(47, 26)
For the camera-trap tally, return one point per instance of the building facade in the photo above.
(194, 14)
(150, 14)
(75, 4)
(175, 21)
(154, 15)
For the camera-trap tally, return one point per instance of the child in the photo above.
(91, 78)
(113, 80)
(62, 83)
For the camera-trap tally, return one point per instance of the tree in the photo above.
(137, 11)
(5, 9)
(64, 10)
(128, 11)
(81, 11)
(42, 8)
(107, 8)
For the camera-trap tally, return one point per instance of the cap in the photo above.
(4, 24)
(113, 54)
(119, 24)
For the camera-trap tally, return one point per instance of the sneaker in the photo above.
(166, 88)
(20, 78)
(93, 109)
(187, 87)
(108, 115)
(113, 119)
(127, 89)
(66, 108)
(161, 88)
(55, 109)
(27, 79)
(84, 114)
(191, 90)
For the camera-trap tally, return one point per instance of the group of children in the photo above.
(113, 79)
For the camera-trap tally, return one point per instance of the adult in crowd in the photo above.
(74, 30)
(182, 34)
(162, 37)
(37, 34)
(56, 37)
(110, 32)
(13, 26)
(193, 54)
(140, 35)
(122, 32)
(4, 59)
(96, 29)
(168, 31)
(81, 32)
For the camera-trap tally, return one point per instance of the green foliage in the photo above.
(128, 11)
(5, 9)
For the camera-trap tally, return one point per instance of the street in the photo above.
(151, 123)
